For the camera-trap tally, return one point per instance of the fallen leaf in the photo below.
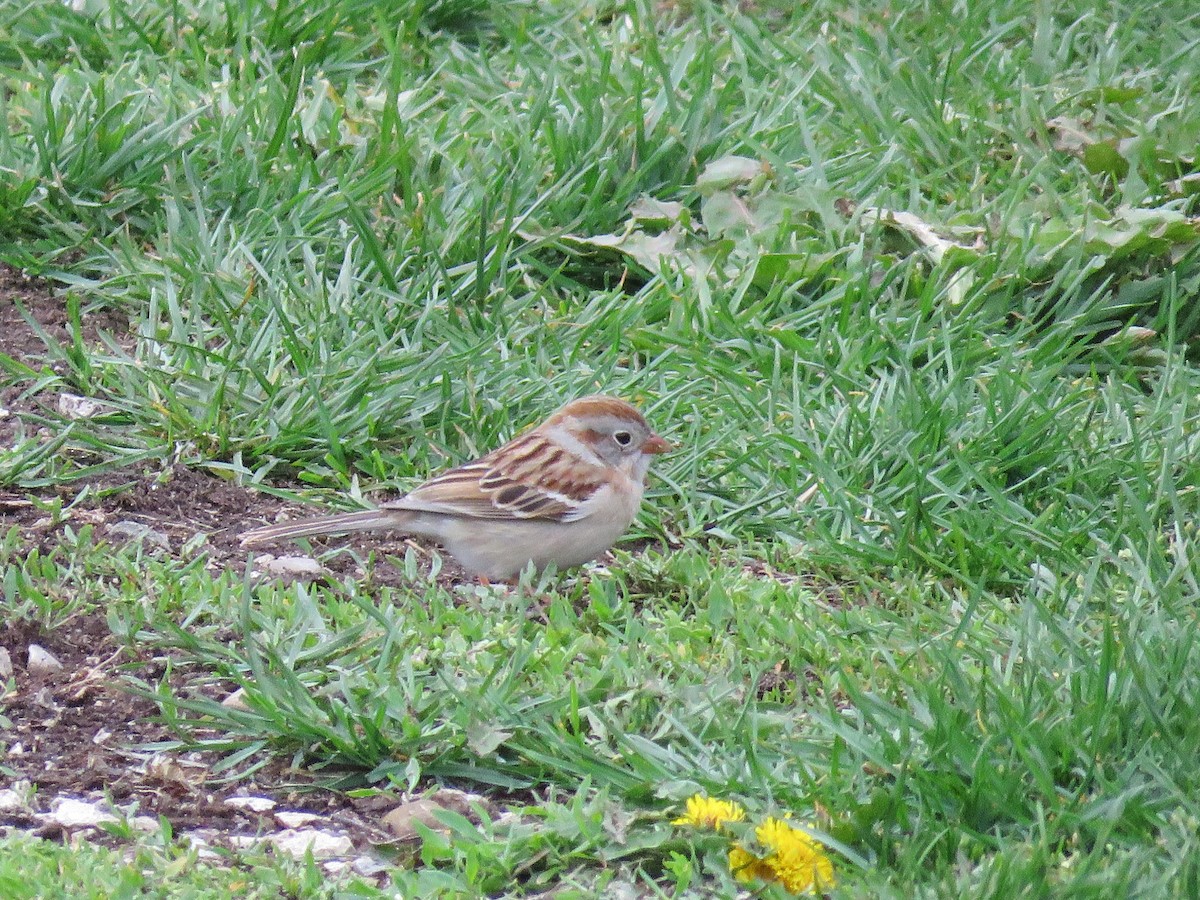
(727, 171)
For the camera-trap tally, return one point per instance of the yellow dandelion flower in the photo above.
(745, 866)
(706, 812)
(798, 862)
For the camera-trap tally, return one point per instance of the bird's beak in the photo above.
(656, 444)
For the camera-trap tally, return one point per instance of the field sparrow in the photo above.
(561, 493)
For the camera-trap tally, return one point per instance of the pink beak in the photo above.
(656, 444)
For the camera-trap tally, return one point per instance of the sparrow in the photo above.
(561, 493)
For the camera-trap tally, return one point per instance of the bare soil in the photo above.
(23, 298)
(75, 732)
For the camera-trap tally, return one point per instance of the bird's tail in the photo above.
(367, 520)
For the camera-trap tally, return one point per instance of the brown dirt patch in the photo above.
(174, 507)
(76, 733)
(181, 503)
(18, 340)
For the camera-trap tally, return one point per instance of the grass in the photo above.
(34, 868)
(922, 323)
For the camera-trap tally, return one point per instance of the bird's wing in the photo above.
(529, 478)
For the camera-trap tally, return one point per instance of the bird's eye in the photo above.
(624, 438)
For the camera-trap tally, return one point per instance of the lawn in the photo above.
(911, 285)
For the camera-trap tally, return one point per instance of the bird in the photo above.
(561, 493)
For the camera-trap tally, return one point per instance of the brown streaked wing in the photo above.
(528, 478)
